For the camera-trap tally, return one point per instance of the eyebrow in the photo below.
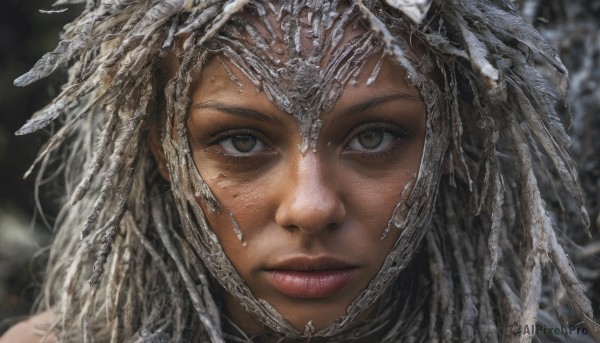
(252, 114)
(243, 112)
(363, 106)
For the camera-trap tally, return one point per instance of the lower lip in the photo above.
(311, 284)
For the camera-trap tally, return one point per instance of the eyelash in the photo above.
(398, 133)
(227, 134)
(233, 159)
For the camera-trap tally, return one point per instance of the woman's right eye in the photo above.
(242, 145)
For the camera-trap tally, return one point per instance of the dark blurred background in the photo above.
(26, 34)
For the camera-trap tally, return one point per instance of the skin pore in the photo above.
(324, 210)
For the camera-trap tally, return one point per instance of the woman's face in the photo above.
(312, 223)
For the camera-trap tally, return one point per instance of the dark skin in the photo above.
(341, 179)
(333, 202)
(336, 201)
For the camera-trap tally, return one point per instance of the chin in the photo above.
(320, 312)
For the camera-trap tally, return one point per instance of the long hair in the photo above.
(122, 268)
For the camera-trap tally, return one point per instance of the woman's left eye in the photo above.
(241, 145)
(372, 140)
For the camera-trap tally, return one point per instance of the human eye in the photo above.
(241, 145)
(375, 139)
(371, 140)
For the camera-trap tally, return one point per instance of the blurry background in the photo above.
(25, 34)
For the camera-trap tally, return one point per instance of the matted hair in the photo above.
(119, 239)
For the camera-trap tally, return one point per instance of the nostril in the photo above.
(312, 230)
(322, 214)
(292, 228)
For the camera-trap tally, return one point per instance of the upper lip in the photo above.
(310, 263)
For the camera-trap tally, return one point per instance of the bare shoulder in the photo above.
(30, 330)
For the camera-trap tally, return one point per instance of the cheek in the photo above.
(372, 208)
(374, 199)
(371, 204)
(247, 199)
(245, 203)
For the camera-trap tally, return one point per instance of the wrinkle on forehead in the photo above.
(301, 55)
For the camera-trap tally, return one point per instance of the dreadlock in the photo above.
(498, 159)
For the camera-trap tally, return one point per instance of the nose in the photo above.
(309, 202)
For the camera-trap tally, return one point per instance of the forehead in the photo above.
(301, 56)
(298, 53)
(215, 86)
